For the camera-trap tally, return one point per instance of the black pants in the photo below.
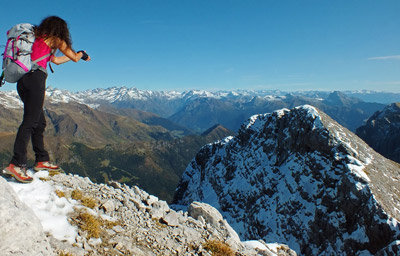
(31, 89)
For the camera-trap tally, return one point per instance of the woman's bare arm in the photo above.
(69, 54)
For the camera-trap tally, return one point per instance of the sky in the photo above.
(288, 45)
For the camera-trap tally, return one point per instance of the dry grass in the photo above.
(59, 193)
(218, 248)
(77, 194)
(53, 173)
(93, 225)
(89, 223)
(109, 224)
(62, 253)
(86, 201)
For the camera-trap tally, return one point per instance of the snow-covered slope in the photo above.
(298, 176)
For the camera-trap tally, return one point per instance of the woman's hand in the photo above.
(85, 56)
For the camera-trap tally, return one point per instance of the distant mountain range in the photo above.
(147, 138)
(299, 177)
(199, 110)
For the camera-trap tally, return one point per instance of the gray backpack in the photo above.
(17, 55)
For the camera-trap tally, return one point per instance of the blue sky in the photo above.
(225, 44)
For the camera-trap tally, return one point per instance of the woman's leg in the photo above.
(41, 155)
(31, 89)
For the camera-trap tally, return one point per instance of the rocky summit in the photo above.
(298, 177)
(112, 219)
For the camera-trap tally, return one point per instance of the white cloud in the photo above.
(393, 57)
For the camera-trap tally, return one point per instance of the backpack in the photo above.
(17, 55)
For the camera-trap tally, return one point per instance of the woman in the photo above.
(51, 35)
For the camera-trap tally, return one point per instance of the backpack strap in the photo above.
(41, 58)
(44, 57)
(53, 52)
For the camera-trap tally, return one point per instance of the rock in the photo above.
(118, 229)
(232, 238)
(114, 184)
(171, 219)
(139, 205)
(206, 211)
(65, 247)
(159, 209)
(108, 206)
(151, 199)
(94, 241)
(21, 231)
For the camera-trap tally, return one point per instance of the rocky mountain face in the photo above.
(299, 177)
(119, 220)
(382, 132)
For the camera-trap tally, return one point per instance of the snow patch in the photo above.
(253, 244)
(357, 167)
(51, 210)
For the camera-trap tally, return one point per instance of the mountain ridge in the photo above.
(327, 191)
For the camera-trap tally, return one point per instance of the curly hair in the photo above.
(56, 28)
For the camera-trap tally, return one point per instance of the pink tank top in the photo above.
(39, 49)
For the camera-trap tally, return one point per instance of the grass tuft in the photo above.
(62, 253)
(89, 223)
(218, 248)
(76, 194)
(53, 173)
(88, 202)
(59, 193)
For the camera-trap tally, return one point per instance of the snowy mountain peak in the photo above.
(298, 176)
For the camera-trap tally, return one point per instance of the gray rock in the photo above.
(206, 211)
(21, 231)
(108, 206)
(118, 229)
(171, 219)
(151, 199)
(159, 209)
